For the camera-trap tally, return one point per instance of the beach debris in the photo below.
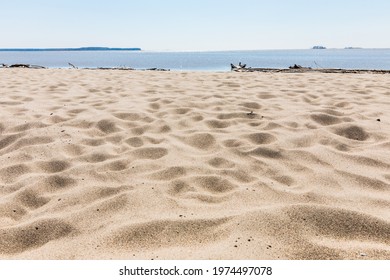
(319, 66)
(378, 120)
(238, 67)
(363, 254)
(128, 68)
(296, 66)
(113, 68)
(72, 65)
(241, 65)
(157, 69)
(251, 113)
(19, 65)
(301, 69)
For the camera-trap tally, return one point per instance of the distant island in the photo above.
(319, 48)
(69, 49)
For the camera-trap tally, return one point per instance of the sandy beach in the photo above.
(193, 165)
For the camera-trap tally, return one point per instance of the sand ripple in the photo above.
(144, 165)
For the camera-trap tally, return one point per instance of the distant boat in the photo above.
(352, 48)
(319, 48)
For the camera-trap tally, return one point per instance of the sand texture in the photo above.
(168, 165)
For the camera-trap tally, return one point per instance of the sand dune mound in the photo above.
(171, 165)
(36, 234)
(353, 132)
(168, 233)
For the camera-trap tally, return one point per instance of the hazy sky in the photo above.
(195, 24)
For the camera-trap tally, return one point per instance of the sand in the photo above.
(172, 165)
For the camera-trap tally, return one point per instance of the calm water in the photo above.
(206, 61)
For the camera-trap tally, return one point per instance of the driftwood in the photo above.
(157, 69)
(237, 67)
(2, 65)
(128, 68)
(300, 69)
(111, 68)
(71, 65)
(295, 66)
(23, 66)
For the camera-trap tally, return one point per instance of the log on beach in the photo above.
(19, 65)
(301, 69)
(113, 68)
(29, 66)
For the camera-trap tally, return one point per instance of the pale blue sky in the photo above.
(195, 24)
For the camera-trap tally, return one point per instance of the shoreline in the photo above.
(242, 70)
(206, 61)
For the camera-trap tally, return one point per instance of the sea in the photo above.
(204, 60)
